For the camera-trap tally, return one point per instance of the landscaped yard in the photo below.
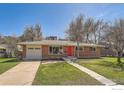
(105, 66)
(62, 74)
(3, 59)
(4, 66)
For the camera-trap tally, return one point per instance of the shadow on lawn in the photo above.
(11, 60)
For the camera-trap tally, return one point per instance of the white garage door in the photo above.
(34, 52)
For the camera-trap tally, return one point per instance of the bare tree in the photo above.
(88, 27)
(71, 31)
(28, 34)
(11, 41)
(115, 37)
(37, 33)
(1, 39)
(96, 31)
(31, 34)
(75, 31)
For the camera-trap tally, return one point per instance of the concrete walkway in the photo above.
(50, 62)
(22, 74)
(93, 74)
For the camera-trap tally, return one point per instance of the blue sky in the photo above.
(54, 18)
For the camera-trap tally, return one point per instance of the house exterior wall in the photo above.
(108, 52)
(24, 51)
(87, 53)
(47, 55)
(84, 53)
(2, 52)
(44, 51)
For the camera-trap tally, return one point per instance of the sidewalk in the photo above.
(22, 74)
(93, 74)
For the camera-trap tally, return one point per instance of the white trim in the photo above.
(93, 47)
(53, 46)
(75, 50)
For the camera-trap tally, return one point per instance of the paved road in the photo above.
(21, 74)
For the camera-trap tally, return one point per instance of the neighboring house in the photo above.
(53, 49)
(2, 51)
(107, 50)
(51, 38)
(6, 47)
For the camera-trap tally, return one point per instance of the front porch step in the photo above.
(70, 59)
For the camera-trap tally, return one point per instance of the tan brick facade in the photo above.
(24, 51)
(47, 55)
(44, 51)
(87, 53)
(84, 53)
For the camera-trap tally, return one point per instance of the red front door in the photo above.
(69, 50)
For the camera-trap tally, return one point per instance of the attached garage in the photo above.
(33, 52)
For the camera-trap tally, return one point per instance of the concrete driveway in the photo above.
(21, 74)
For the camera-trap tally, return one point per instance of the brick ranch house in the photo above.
(56, 49)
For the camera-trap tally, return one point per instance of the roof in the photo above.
(57, 42)
(2, 47)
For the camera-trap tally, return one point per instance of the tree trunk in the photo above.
(87, 39)
(77, 49)
(119, 58)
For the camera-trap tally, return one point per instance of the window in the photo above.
(55, 50)
(106, 48)
(37, 48)
(30, 48)
(2, 51)
(92, 49)
(80, 48)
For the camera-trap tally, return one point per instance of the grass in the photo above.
(4, 66)
(62, 74)
(106, 66)
(4, 59)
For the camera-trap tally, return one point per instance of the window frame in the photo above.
(81, 48)
(31, 48)
(37, 48)
(92, 49)
(60, 47)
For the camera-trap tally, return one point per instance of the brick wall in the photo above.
(24, 51)
(44, 51)
(46, 55)
(87, 53)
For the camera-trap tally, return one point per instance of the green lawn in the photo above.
(3, 59)
(62, 74)
(105, 66)
(4, 66)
